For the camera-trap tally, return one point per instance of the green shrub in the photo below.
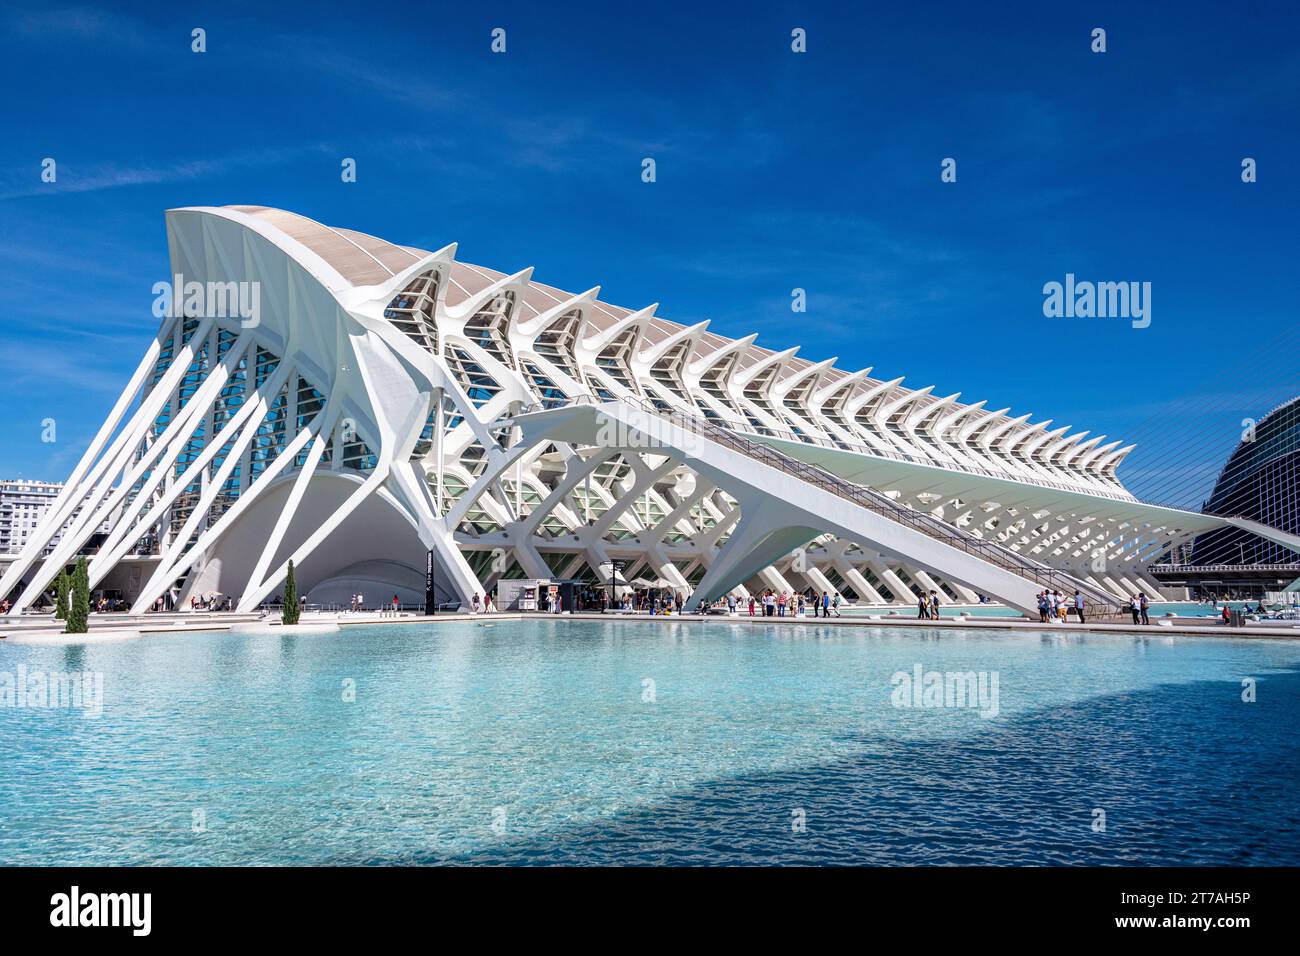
(79, 611)
(291, 609)
(62, 585)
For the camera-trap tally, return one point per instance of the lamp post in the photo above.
(616, 565)
(430, 602)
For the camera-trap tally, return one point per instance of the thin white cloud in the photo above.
(74, 178)
(85, 24)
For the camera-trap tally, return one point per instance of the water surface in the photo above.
(628, 742)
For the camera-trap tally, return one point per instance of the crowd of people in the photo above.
(1055, 606)
(772, 603)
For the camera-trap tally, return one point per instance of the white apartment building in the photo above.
(23, 502)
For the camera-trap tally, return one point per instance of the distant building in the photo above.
(23, 502)
(1260, 482)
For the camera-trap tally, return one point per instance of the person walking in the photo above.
(1144, 606)
(1136, 610)
(934, 605)
(826, 604)
(922, 608)
(1078, 606)
(835, 603)
(751, 605)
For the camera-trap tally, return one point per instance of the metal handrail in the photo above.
(863, 496)
(888, 454)
(950, 465)
(1183, 568)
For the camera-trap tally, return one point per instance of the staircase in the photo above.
(1100, 603)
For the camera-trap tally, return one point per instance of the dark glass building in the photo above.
(1261, 481)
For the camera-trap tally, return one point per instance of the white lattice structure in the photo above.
(390, 401)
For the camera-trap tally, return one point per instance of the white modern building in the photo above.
(23, 502)
(382, 402)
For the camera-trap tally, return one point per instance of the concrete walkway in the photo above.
(121, 624)
(45, 624)
(1174, 625)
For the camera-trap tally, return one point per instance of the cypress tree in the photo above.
(62, 585)
(79, 612)
(291, 610)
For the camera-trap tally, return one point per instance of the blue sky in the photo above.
(775, 171)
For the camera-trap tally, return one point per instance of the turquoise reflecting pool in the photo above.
(686, 742)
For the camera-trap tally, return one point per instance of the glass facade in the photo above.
(1259, 481)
